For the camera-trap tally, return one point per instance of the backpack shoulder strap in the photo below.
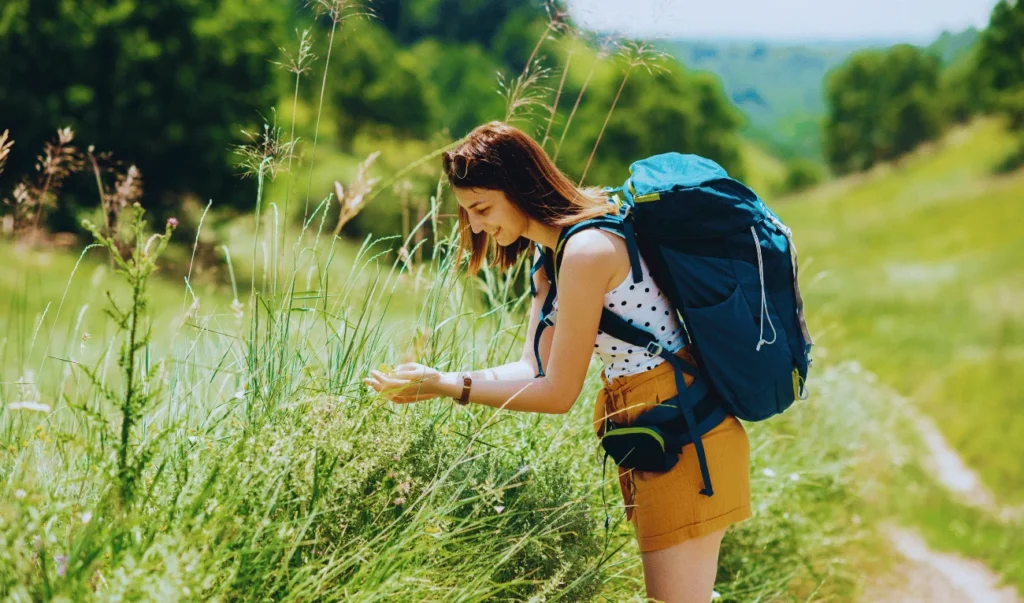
(547, 261)
(621, 224)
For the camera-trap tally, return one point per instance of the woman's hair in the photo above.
(498, 156)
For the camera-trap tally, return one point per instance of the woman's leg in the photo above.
(684, 573)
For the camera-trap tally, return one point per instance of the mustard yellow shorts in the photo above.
(667, 508)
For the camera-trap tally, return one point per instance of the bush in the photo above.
(669, 110)
(802, 174)
(882, 104)
(164, 84)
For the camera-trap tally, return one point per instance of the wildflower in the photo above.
(61, 562)
(172, 222)
(768, 473)
(399, 501)
(19, 494)
(794, 477)
(499, 508)
(86, 517)
(239, 395)
(715, 595)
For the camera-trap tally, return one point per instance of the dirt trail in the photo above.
(950, 470)
(929, 576)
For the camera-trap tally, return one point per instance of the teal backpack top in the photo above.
(728, 265)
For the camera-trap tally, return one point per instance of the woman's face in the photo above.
(490, 211)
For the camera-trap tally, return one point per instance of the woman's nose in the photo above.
(475, 225)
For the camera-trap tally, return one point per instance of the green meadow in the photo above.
(266, 470)
(914, 270)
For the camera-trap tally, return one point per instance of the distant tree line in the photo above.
(882, 104)
(170, 85)
(163, 84)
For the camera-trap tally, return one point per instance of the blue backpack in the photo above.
(728, 265)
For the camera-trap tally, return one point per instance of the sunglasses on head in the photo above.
(461, 164)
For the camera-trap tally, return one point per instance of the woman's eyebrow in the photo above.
(474, 204)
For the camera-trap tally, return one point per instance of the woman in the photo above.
(510, 192)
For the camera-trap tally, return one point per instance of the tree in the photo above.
(670, 110)
(454, 21)
(164, 84)
(802, 174)
(464, 77)
(373, 83)
(1000, 61)
(881, 104)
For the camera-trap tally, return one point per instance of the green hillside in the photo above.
(780, 87)
(914, 270)
(952, 46)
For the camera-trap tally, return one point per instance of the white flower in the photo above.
(86, 517)
(794, 477)
(715, 595)
(768, 473)
(27, 405)
(239, 395)
(19, 494)
(499, 509)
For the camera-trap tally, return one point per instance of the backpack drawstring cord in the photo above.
(764, 299)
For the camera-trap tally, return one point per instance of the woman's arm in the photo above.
(589, 261)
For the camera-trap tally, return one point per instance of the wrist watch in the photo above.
(467, 382)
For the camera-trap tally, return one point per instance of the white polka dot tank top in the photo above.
(644, 305)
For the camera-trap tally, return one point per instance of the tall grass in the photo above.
(278, 476)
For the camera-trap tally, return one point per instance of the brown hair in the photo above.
(497, 156)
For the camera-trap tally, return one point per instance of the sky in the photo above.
(903, 20)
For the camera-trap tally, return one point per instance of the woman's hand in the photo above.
(409, 382)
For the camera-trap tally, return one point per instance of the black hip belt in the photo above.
(654, 440)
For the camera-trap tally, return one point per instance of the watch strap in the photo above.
(467, 383)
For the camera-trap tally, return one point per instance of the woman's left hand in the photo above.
(409, 382)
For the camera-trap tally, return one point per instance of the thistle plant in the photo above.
(138, 390)
(126, 191)
(33, 198)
